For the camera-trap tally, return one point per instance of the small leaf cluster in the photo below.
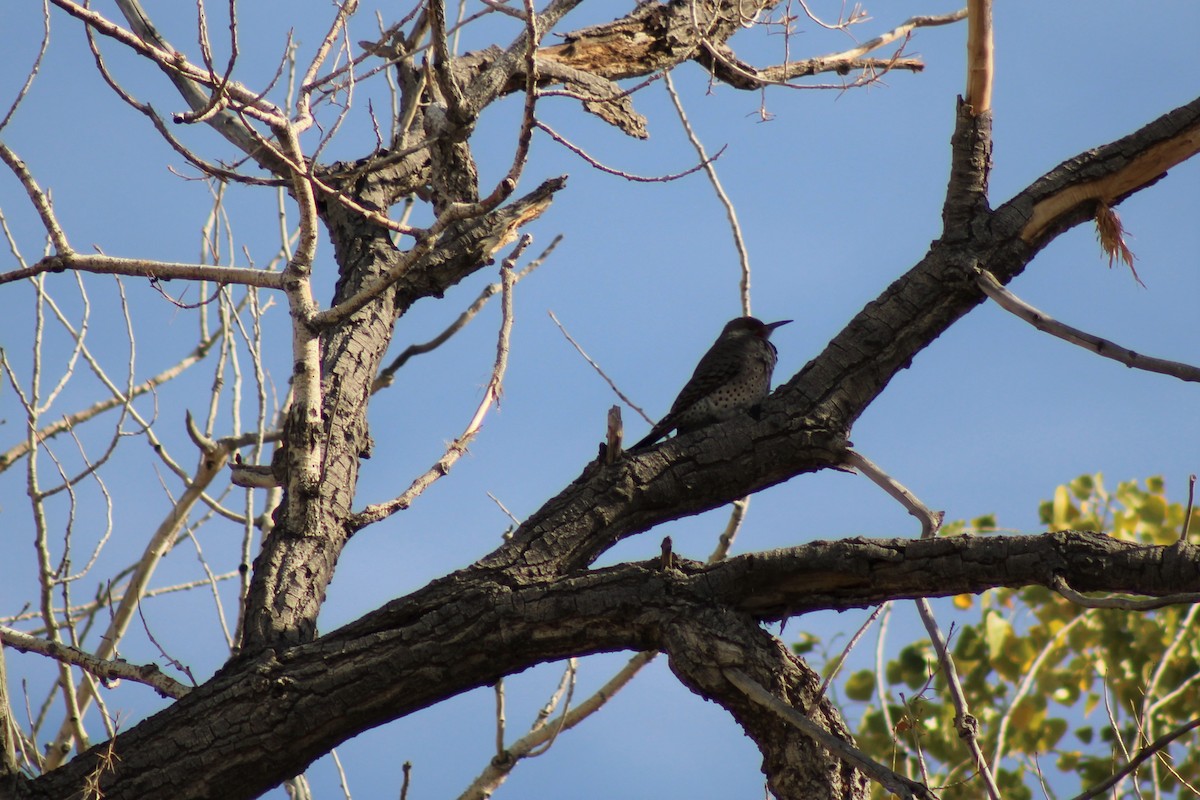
(1063, 694)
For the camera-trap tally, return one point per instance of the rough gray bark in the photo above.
(469, 629)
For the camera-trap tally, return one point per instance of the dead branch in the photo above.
(1102, 347)
(107, 670)
(143, 268)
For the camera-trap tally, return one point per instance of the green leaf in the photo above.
(1062, 511)
(860, 685)
(997, 632)
(985, 523)
(1083, 486)
(805, 643)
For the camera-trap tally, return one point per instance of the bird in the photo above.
(734, 375)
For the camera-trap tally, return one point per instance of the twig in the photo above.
(211, 464)
(172, 661)
(737, 515)
(212, 578)
(841, 659)
(380, 511)
(967, 725)
(1103, 347)
(387, 375)
(107, 670)
(504, 509)
(901, 31)
(1059, 584)
(303, 105)
(507, 185)
(1146, 720)
(187, 77)
(88, 609)
(873, 69)
(500, 718)
(535, 203)
(342, 780)
(739, 242)
(857, 15)
(599, 370)
(749, 77)
(930, 521)
(881, 640)
(913, 713)
(498, 770)
(74, 420)
(1137, 759)
(29, 78)
(566, 681)
(555, 728)
(629, 176)
(145, 268)
(1118, 735)
(1027, 683)
(225, 122)
(10, 734)
(217, 101)
(1187, 514)
(41, 202)
(887, 778)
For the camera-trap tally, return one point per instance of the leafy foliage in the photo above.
(1063, 694)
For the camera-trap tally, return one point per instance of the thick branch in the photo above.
(909, 315)
(655, 36)
(805, 424)
(1068, 194)
(466, 630)
(463, 248)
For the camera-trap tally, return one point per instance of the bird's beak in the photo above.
(770, 326)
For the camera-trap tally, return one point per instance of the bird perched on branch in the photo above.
(733, 376)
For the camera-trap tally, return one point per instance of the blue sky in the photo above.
(838, 194)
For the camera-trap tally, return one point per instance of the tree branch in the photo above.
(144, 268)
(105, 669)
(1068, 194)
(467, 631)
(897, 784)
(1102, 347)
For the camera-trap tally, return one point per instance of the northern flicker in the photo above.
(734, 375)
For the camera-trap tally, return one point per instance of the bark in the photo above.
(295, 565)
(259, 722)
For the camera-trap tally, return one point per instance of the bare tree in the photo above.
(409, 218)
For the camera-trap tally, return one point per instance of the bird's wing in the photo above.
(719, 366)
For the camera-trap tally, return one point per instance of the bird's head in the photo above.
(752, 326)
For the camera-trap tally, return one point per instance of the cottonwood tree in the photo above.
(412, 211)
